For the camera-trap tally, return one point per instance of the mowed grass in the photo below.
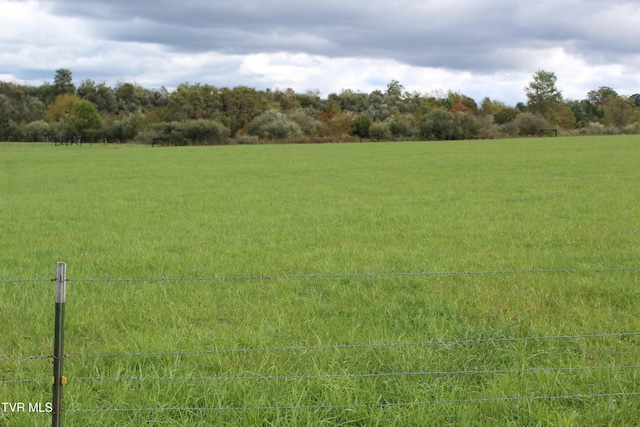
(345, 338)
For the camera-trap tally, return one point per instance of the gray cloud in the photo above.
(458, 35)
(481, 48)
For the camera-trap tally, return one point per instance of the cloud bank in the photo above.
(488, 48)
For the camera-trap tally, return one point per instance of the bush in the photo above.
(360, 126)
(400, 126)
(379, 130)
(123, 130)
(596, 128)
(191, 132)
(468, 126)
(526, 124)
(274, 125)
(308, 125)
(36, 131)
(247, 139)
(438, 124)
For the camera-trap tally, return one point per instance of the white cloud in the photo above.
(488, 48)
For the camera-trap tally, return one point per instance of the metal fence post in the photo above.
(58, 344)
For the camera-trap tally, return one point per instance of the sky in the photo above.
(480, 48)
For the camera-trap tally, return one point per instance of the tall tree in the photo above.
(395, 88)
(63, 82)
(601, 95)
(543, 97)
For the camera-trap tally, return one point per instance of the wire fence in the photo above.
(337, 346)
(330, 275)
(613, 368)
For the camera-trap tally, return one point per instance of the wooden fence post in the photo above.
(58, 344)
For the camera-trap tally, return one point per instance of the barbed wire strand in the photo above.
(363, 375)
(351, 346)
(327, 275)
(339, 376)
(24, 381)
(25, 358)
(26, 280)
(352, 275)
(332, 347)
(365, 405)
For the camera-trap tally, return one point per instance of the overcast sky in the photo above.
(475, 47)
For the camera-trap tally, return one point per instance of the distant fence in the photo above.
(548, 132)
(59, 380)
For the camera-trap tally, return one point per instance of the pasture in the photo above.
(418, 283)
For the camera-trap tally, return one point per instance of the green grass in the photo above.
(350, 209)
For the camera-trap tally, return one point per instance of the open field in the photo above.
(303, 315)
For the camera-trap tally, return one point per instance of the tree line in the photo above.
(205, 114)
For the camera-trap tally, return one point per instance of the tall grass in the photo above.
(302, 350)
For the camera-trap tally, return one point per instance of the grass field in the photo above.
(303, 315)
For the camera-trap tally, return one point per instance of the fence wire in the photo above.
(7, 281)
(352, 275)
(337, 376)
(327, 275)
(342, 346)
(333, 347)
(367, 405)
(363, 375)
(364, 345)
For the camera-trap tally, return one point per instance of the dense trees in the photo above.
(206, 114)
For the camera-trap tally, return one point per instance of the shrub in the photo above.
(308, 125)
(526, 124)
(438, 124)
(274, 125)
(36, 131)
(123, 130)
(360, 126)
(379, 130)
(196, 132)
(468, 126)
(400, 126)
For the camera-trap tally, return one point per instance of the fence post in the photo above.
(58, 344)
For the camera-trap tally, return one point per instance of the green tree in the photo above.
(195, 102)
(360, 126)
(84, 120)
(619, 111)
(506, 115)
(63, 82)
(100, 94)
(239, 106)
(6, 130)
(601, 95)
(565, 118)
(543, 97)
